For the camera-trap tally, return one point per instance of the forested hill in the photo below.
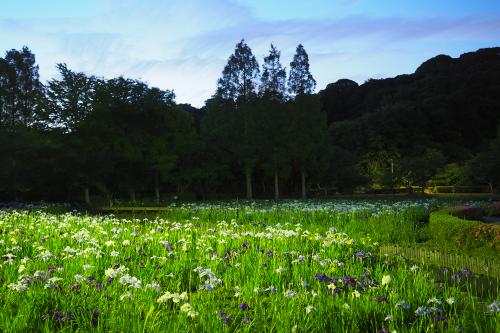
(450, 103)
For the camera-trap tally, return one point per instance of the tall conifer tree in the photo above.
(239, 77)
(300, 80)
(273, 79)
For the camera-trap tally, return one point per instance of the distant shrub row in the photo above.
(460, 189)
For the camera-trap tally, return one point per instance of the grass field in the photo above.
(295, 266)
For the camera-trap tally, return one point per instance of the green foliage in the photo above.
(450, 102)
(450, 174)
(20, 88)
(309, 131)
(485, 165)
(239, 76)
(273, 77)
(419, 169)
(460, 189)
(81, 135)
(342, 170)
(70, 99)
(300, 79)
(275, 139)
(447, 104)
(253, 266)
(452, 233)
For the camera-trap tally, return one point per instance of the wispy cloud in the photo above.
(183, 45)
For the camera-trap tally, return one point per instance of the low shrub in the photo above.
(489, 234)
(467, 212)
(493, 209)
(460, 189)
(450, 232)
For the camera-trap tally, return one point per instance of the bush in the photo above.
(460, 189)
(454, 233)
(401, 190)
(493, 209)
(451, 231)
(466, 212)
(488, 234)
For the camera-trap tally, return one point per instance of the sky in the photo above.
(183, 45)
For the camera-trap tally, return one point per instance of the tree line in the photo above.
(264, 133)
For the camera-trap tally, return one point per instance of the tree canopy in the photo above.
(264, 133)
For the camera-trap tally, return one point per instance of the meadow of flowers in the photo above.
(260, 267)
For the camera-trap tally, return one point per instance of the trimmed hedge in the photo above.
(460, 189)
(467, 212)
(451, 232)
(493, 209)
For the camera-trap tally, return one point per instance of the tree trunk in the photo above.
(248, 175)
(157, 187)
(86, 195)
(132, 195)
(276, 187)
(16, 194)
(303, 178)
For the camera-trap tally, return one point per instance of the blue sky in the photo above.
(183, 45)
